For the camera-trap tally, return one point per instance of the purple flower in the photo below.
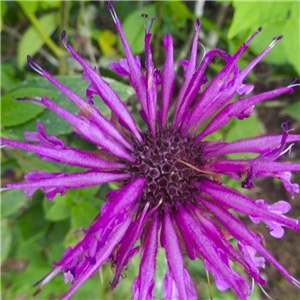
(171, 193)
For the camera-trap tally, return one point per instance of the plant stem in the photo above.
(35, 23)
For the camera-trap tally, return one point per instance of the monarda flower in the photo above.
(170, 190)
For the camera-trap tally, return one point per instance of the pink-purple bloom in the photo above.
(170, 190)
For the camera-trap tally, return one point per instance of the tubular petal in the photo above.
(173, 254)
(89, 131)
(108, 95)
(144, 283)
(65, 155)
(167, 81)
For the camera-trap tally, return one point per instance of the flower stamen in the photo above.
(215, 176)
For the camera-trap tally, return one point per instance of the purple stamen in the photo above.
(63, 39)
(34, 65)
(112, 11)
(197, 25)
(35, 100)
(151, 23)
(253, 35)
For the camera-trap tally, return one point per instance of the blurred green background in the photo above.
(35, 232)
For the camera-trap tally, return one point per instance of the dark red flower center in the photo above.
(164, 161)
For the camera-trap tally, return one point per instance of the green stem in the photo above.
(35, 23)
(64, 15)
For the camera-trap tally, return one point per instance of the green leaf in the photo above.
(54, 124)
(82, 215)
(6, 239)
(58, 212)
(32, 41)
(11, 202)
(8, 76)
(291, 43)
(59, 208)
(276, 18)
(250, 15)
(263, 39)
(134, 30)
(17, 112)
(293, 110)
(32, 223)
(179, 10)
(242, 129)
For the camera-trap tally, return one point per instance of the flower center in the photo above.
(166, 161)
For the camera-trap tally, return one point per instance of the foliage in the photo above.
(34, 231)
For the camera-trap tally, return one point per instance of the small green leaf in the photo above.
(17, 112)
(32, 223)
(32, 41)
(241, 129)
(82, 215)
(11, 202)
(6, 239)
(293, 110)
(58, 212)
(134, 30)
(106, 40)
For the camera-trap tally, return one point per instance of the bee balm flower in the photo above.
(169, 178)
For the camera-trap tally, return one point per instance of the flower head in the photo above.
(168, 176)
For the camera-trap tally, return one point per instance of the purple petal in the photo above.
(278, 208)
(238, 230)
(210, 102)
(119, 203)
(89, 111)
(89, 131)
(103, 254)
(53, 183)
(143, 284)
(209, 252)
(241, 203)
(249, 254)
(151, 85)
(173, 254)
(108, 95)
(188, 74)
(236, 109)
(221, 242)
(196, 83)
(136, 76)
(286, 180)
(64, 154)
(167, 81)
(263, 144)
(122, 68)
(171, 291)
(130, 237)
